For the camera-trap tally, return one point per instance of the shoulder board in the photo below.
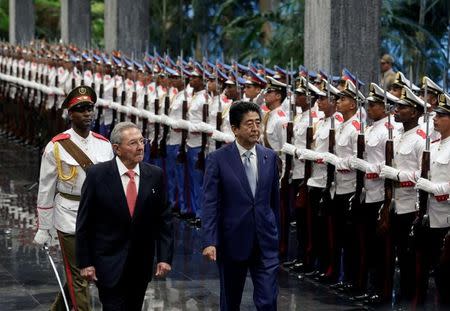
(421, 133)
(264, 108)
(388, 125)
(356, 124)
(96, 135)
(435, 141)
(313, 114)
(281, 113)
(62, 136)
(339, 118)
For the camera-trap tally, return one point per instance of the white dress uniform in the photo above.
(88, 77)
(274, 129)
(55, 209)
(375, 136)
(213, 110)
(161, 91)
(226, 126)
(321, 143)
(301, 123)
(51, 82)
(434, 135)
(195, 115)
(176, 113)
(346, 147)
(108, 86)
(408, 149)
(439, 205)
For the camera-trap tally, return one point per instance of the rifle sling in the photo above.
(76, 153)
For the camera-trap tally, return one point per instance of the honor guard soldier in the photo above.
(345, 183)
(433, 92)
(301, 123)
(253, 89)
(409, 145)
(371, 251)
(194, 141)
(398, 84)
(274, 122)
(62, 174)
(438, 187)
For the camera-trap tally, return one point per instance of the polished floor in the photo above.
(27, 281)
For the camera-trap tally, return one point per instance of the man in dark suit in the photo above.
(123, 217)
(241, 212)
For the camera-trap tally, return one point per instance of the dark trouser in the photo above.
(401, 226)
(76, 288)
(427, 258)
(263, 271)
(127, 295)
(368, 246)
(343, 237)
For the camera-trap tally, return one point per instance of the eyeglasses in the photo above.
(136, 143)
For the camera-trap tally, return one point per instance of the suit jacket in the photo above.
(108, 238)
(233, 220)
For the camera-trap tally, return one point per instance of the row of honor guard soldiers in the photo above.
(354, 190)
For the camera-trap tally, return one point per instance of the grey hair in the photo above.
(116, 133)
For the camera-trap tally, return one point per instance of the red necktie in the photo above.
(131, 192)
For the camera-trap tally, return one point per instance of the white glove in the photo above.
(359, 164)
(42, 237)
(194, 127)
(181, 124)
(206, 128)
(390, 173)
(308, 154)
(330, 158)
(288, 148)
(431, 187)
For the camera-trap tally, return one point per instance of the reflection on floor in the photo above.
(27, 281)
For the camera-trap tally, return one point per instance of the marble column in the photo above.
(345, 33)
(127, 25)
(21, 21)
(76, 22)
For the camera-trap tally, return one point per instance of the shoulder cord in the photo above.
(73, 169)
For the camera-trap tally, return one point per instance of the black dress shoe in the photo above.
(360, 297)
(327, 278)
(337, 285)
(312, 274)
(298, 267)
(289, 264)
(187, 216)
(375, 300)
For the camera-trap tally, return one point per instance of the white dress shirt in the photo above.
(253, 157)
(124, 177)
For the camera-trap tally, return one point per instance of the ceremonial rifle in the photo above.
(181, 157)
(100, 108)
(357, 199)
(384, 221)
(134, 118)
(145, 120)
(123, 96)
(166, 128)
(114, 96)
(154, 146)
(302, 196)
(219, 109)
(287, 176)
(202, 153)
